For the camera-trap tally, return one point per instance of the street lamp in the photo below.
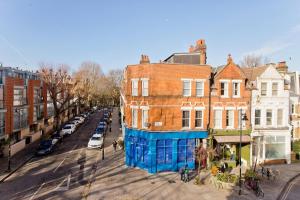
(243, 117)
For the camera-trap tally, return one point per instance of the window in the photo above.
(144, 118)
(2, 124)
(269, 117)
(241, 113)
(218, 119)
(164, 151)
(36, 95)
(275, 147)
(257, 117)
(236, 89)
(186, 88)
(279, 117)
(142, 150)
(135, 87)
(263, 89)
(1, 96)
(20, 96)
(134, 118)
(20, 118)
(185, 119)
(186, 150)
(144, 87)
(199, 88)
(293, 108)
(199, 119)
(224, 89)
(274, 89)
(229, 118)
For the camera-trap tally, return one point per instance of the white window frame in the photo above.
(145, 110)
(202, 118)
(238, 82)
(188, 110)
(201, 89)
(276, 89)
(282, 113)
(226, 88)
(134, 90)
(269, 109)
(190, 87)
(134, 117)
(221, 118)
(230, 118)
(145, 90)
(266, 94)
(257, 117)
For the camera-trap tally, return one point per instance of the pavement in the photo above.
(74, 172)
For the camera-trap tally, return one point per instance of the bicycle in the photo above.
(253, 184)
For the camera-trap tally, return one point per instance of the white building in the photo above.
(271, 130)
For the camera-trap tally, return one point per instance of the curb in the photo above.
(13, 171)
(279, 197)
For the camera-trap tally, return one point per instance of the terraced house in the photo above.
(165, 108)
(271, 130)
(22, 106)
(230, 105)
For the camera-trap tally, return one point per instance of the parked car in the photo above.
(102, 126)
(99, 130)
(45, 147)
(68, 129)
(56, 137)
(75, 123)
(96, 141)
(80, 119)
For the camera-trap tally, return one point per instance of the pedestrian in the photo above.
(115, 145)
(181, 172)
(186, 174)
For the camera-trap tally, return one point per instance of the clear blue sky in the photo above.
(115, 33)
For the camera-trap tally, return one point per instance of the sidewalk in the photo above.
(18, 159)
(273, 188)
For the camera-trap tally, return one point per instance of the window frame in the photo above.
(144, 110)
(201, 119)
(273, 94)
(201, 89)
(236, 88)
(134, 117)
(220, 118)
(269, 111)
(183, 119)
(145, 90)
(257, 117)
(265, 90)
(134, 90)
(189, 81)
(225, 89)
(229, 123)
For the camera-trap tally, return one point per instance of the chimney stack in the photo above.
(282, 67)
(144, 59)
(201, 48)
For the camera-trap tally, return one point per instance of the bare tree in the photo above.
(60, 87)
(251, 60)
(115, 78)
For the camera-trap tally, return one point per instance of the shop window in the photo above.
(164, 151)
(142, 150)
(186, 149)
(275, 147)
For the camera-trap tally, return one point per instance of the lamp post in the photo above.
(243, 117)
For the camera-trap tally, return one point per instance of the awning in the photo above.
(232, 139)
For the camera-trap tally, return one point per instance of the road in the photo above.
(292, 191)
(65, 174)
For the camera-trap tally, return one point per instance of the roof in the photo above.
(232, 139)
(253, 72)
(184, 58)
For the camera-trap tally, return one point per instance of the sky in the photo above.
(114, 33)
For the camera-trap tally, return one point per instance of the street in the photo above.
(292, 190)
(64, 174)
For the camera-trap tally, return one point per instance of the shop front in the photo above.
(161, 151)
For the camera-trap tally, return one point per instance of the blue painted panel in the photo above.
(158, 151)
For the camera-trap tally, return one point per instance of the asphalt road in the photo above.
(292, 192)
(64, 174)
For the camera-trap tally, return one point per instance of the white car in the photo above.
(80, 119)
(96, 141)
(68, 129)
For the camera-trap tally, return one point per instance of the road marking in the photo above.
(65, 188)
(64, 158)
(285, 195)
(32, 197)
